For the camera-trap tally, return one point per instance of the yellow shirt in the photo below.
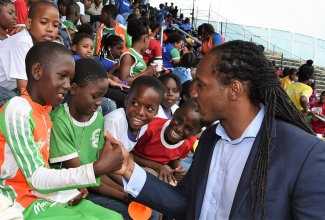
(296, 90)
(285, 81)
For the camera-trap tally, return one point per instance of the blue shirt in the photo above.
(169, 53)
(186, 27)
(124, 6)
(120, 19)
(160, 16)
(183, 73)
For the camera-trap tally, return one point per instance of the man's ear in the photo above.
(37, 71)
(28, 23)
(73, 89)
(236, 90)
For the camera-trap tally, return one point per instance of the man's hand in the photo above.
(76, 200)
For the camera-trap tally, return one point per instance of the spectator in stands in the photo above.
(210, 37)
(313, 97)
(14, 49)
(62, 6)
(171, 7)
(174, 12)
(68, 27)
(168, 104)
(318, 108)
(110, 26)
(183, 71)
(137, 12)
(8, 18)
(124, 8)
(82, 43)
(95, 8)
(132, 64)
(185, 94)
(171, 51)
(291, 77)
(154, 50)
(300, 92)
(161, 14)
(167, 141)
(285, 72)
(84, 5)
(186, 26)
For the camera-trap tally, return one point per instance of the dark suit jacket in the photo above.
(295, 185)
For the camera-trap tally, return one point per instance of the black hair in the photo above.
(285, 71)
(131, 16)
(64, 2)
(191, 104)
(185, 91)
(5, 2)
(208, 28)
(34, 8)
(154, 25)
(137, 28)
(88, 71)
(322, 93)
(161, 6)
(84, 31)
(109, 40)
(186, 20)
(150, 82)
(174, 38)
(45, 53)
(292, 71)
(164, 77)
(110, 9)
(188, 60)
(245, 62)
(306, 71)
(71, 9)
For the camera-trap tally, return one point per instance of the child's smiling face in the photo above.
(141, 107)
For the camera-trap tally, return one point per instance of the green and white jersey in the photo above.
(71, 138)
(139, 64)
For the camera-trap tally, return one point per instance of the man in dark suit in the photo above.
(261, 161)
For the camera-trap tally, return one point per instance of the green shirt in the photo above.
(139, 65)
(71, 139)
(72, 28)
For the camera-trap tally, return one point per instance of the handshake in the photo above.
(113, 158)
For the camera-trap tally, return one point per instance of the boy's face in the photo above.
(44, 26)
(84, 48)
(171, 94)
(293, 76)
(185, 123)
(87, 99)
(53, 81)
(141, 106)
(87, 3)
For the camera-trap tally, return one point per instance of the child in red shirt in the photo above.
(318, 108)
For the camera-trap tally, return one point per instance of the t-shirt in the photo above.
(318, 125)
(116, 123)
(154, 51)
(25, 129)
(125, 6)
(163, 114)
(71, 27)
(139, 64)
(71, 138)
(169, 53)
(186, 27)
(153, 146)
(296, 90)
(183, 73)
(285, 81)
(13, 52)
(107, 63)
(215, 39)
(21, 11)
(160, 16)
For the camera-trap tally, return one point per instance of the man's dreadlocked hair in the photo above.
(245, 62)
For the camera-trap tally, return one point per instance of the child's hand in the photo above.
(151, 70)
(179, 173)
(165, 175)
(76, 200)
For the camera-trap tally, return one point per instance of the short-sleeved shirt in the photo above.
(13, 52)
(296, 90)
(169, 53)
(21, 11)
(71, 138)
(215, 39)
(71, 27)
(108, 64)
(125, 6)
(160, 16)
(183, 73)
(318, 125)
(153, 146)
(154, 51)
(163, 114)
(186, 27)
(139, 64)
(285, 81)
(116, 123)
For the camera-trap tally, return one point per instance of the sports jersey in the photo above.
(296, 90)
(24, 152)
(169, 53)
(116, 123)
(118, 29)
(153, 146)
(163, 114)
(139, 65)
(154, 51)
(125, 6)
(71, 138)
(214, 40)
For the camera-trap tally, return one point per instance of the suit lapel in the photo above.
(243, 186)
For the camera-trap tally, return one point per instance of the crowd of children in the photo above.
(71, 91)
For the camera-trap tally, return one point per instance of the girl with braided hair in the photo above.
(262, 161)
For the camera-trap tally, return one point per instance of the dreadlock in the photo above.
(245, 62)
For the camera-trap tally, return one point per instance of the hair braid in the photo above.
(244, 61)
